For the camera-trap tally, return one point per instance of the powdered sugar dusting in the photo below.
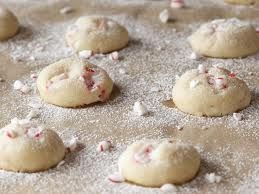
(227, 147)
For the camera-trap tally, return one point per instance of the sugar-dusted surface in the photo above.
(156, 54)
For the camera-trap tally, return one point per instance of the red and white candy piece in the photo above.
(72, 145)
(11, 134)
(104, 146)
(116, 178)
(34, 76)
(114, 56)
(220, 83)
(177, 4)
(232, 75)
(144, 156)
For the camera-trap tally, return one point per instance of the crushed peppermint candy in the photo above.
(168, 188)
(18, 85)
(85, 54)
(164, 16)
(34, 113)
(177, 4)
(194, 83)
(238, 116)
(220, 83)
(114, 56)
(195, 56)
(11, 134)
(72, 144)
(202, 69)
(212, 178)
(116, 178)
(104, 146)
(25, 89)
(61, 163)
(34, 76)
(144, 156)
(66, 10)
(140, 109)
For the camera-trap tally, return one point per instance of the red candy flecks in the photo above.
(232, 75)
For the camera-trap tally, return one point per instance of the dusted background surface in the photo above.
(156, 53)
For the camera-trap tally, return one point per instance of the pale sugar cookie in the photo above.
(26, 146)
(155, 163)
(73, 82)
(9, 24)
(98, 34)
(210, 92)
(225, 38)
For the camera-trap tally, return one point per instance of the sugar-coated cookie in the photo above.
(225, 38)
(98, 34)
(210, 92)
(155, 163)
(26, 146)
(73, 82)
(9, 24)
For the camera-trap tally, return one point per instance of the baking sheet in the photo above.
(155, 55)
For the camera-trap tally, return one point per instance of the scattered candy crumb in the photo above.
(140, 109)
(114, 56)
(212, 178)
(72, 145)
(164, 16)
(85, 54)
(168, 188)
(177, 4)
(116, 178)
(195, 56)
(104, 146)
(238, 116)
(66, 10)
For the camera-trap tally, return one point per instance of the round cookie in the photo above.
(225, 38)
(28, 147)
(8, 24)
(242, 2)
(210, 92)
(98, 34)
(73, 82)
(155, 163)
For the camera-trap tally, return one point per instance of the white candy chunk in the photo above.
(164, 16)
(72, 144)
(25, 89)
(220, 83)
(116, 178)
(168, 188)
(33, 76)
(114, 56)
(104, 146)
(194, 83)
(122, 71)
(34, 105)
(179, 127)
(250, 73)
(238, 116)
(212, 178)
(177, 4)
(201, 69)
(195, 56)
(66, 10)
(18, 85)
(177, 77)
(140, 109)
(33, 114)
(32, 58)
(85, 54)
(1, 79)
(61, 163)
